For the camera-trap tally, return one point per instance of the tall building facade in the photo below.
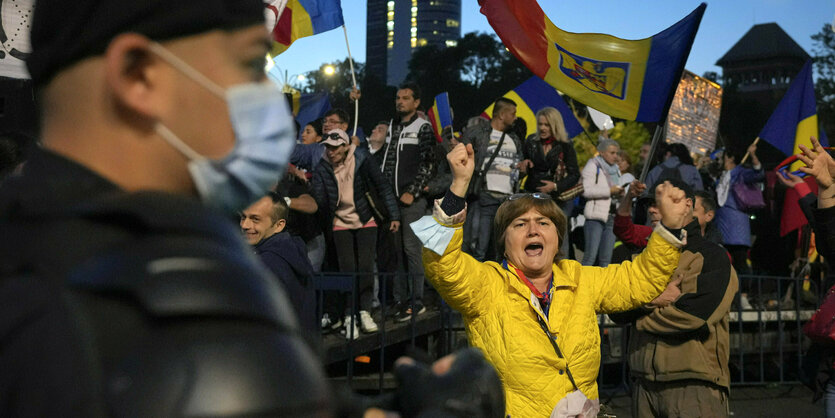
(397, 27)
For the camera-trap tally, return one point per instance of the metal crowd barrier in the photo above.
(430, 333)
(766, 343)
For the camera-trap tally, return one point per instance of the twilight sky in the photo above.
(724, 23)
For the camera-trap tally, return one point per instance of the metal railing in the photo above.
(333, 288)
(766, 343)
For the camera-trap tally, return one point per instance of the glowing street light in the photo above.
(329, 70)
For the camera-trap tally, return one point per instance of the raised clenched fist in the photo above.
(462, 164)
(675, 207)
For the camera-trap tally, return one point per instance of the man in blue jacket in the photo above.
(263, 225)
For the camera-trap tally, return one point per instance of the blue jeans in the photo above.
(566, 207)
(600, 241)
(316, 252)
(829, 399)
(487, 208)
(410, 287)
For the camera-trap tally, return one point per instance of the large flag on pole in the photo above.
(791, 124)
(440, 116)
(289, 20)
(533, 95)
(633, 80)
(795, 119)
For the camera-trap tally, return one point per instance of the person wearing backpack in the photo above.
(678, 164)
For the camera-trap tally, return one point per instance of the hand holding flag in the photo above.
(440, 116)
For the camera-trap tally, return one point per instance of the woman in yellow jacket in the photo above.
(508, 306)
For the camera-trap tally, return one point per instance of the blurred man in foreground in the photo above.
(124, 288)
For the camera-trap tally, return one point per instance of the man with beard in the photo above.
(408, 163)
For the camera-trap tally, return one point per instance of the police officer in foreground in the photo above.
(124, 288)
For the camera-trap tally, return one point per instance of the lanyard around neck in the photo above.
(546, 297)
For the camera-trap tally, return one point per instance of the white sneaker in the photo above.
(744, 304)
(352, 332)
(367, 323)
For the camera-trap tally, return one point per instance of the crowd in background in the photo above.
(351, 200)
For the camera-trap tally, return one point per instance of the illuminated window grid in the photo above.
(390, 24)
(414, 24)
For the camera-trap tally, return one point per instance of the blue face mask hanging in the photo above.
(263, 127)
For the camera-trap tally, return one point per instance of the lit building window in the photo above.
(390, 5)
(452, 23)
(390, 44)
(451, 42)
(390, 25)
(422, 42)
(434, 32)
(414, 9)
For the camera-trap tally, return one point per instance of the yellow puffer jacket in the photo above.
(500, 313)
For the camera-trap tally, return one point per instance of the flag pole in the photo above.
(353, 79)
(745, 158)
(656, 138)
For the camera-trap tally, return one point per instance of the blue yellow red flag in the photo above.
(440, 115)
(533, 95)
(627, 79)
(795, 119)
(294, 19)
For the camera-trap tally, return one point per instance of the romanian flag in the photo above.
(534, 94)
(293, 19)
(440, 116)
(795, 119)
(633, 80)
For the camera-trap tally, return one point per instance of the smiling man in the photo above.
(124, 288)
(263, 224)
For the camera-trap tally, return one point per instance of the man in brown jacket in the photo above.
(679, 347)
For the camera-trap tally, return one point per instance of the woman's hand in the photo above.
(616, 191)
(547, 186)
(676, 209)
(395, 225)
(790, 179)
(462, 164)
(524, 165)
(819, 163)
(752, 152)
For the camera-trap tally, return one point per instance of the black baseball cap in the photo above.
(66, 31)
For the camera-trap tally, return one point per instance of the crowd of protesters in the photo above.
(403, 217)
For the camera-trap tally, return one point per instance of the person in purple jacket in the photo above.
(732, 222)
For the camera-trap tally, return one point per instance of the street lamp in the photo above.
(329, 70)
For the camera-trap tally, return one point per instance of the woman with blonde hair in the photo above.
(552, 162)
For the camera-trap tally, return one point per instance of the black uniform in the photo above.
(141, 304)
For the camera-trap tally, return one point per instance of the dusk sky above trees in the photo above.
(723, 24)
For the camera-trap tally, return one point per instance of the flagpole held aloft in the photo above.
(745, 158)
(353, 79)
(656, 138)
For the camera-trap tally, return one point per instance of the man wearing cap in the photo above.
(124, 286)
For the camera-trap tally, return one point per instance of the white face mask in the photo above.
(263, 127)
